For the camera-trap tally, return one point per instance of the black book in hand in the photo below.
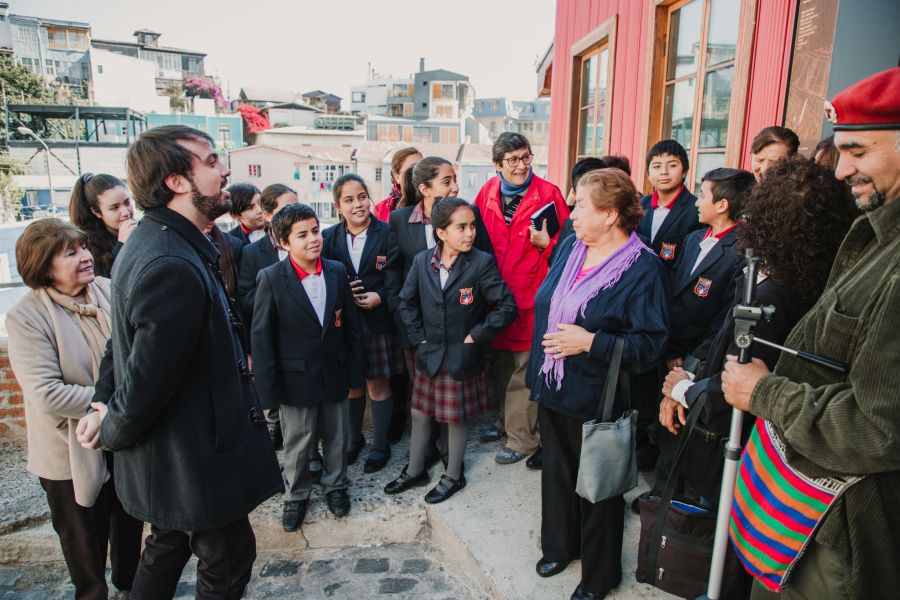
(548, 212)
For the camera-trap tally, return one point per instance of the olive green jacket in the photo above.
(849, 424)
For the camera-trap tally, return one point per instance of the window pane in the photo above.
(586, 131)
(600, 128)
(716, 104)
(706, 162)
(721, 44)
(588, 80)
(684, 40)
(678, 112)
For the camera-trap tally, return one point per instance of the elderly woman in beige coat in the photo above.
(57, 335)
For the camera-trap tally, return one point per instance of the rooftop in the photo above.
(265, 94)
(340, 154)
(43, 21)
(148, 47)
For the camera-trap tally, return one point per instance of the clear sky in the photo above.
(303, 45)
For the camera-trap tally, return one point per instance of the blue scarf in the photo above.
(508, 189)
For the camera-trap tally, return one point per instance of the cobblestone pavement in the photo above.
(390, 572)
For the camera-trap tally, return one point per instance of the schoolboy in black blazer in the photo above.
(667, 166)
(307, 354)
(703, 284)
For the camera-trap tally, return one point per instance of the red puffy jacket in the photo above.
(523, 268)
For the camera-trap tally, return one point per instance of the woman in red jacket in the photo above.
(506, 203)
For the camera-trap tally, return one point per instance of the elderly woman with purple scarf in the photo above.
(603, 283)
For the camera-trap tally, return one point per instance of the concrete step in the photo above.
(491, 530)
(488, 534)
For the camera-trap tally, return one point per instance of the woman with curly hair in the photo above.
(794, 220)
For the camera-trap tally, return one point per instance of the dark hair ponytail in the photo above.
(424, 171)
(83, 208)
(442, 213)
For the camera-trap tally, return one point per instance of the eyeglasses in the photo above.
(513, 161)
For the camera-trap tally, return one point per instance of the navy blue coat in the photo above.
(682, 219)
(297, 361)
(255, 257)
(475, 301)
(406, 240)
(637, 307)
(701, 300)
(238, 232)
(372, 267)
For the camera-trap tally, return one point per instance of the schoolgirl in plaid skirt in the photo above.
(359, 241)
(453, 303)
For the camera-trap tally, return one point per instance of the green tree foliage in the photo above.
(10, 193)
(18, 85)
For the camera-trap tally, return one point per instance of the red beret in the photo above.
(873, 103)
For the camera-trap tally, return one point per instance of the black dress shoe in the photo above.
(354, 449)
(492, 434)
(404, 482)
(536, 461)
(293, 513)
(445, 488)
(547, 568)
(580, 594)
(338, 502)
(373, 465)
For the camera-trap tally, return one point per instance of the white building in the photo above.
(383, 95)
(291, 114)
(310, 136)
(121, 80)
(309, 170)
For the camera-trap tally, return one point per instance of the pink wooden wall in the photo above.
(576, 18)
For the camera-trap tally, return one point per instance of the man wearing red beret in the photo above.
(843, 426)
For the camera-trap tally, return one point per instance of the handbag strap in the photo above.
(669, 491)
(604, 410)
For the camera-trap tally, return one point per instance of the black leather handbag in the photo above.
(677, 534)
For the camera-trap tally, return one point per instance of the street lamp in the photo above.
(26, 131)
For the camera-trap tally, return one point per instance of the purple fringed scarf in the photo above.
(571, 297)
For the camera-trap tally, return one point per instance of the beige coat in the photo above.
(52, 362)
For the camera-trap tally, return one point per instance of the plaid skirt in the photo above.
(383, 356)
(448, 400)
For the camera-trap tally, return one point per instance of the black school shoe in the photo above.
(293, 513)
(535, 462)
(492, 434)
(548, 568)
(373, 465)
(445, 488)
(580, 594)
(338, 502)
(404, 482)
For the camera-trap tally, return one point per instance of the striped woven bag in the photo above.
(776, 508)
